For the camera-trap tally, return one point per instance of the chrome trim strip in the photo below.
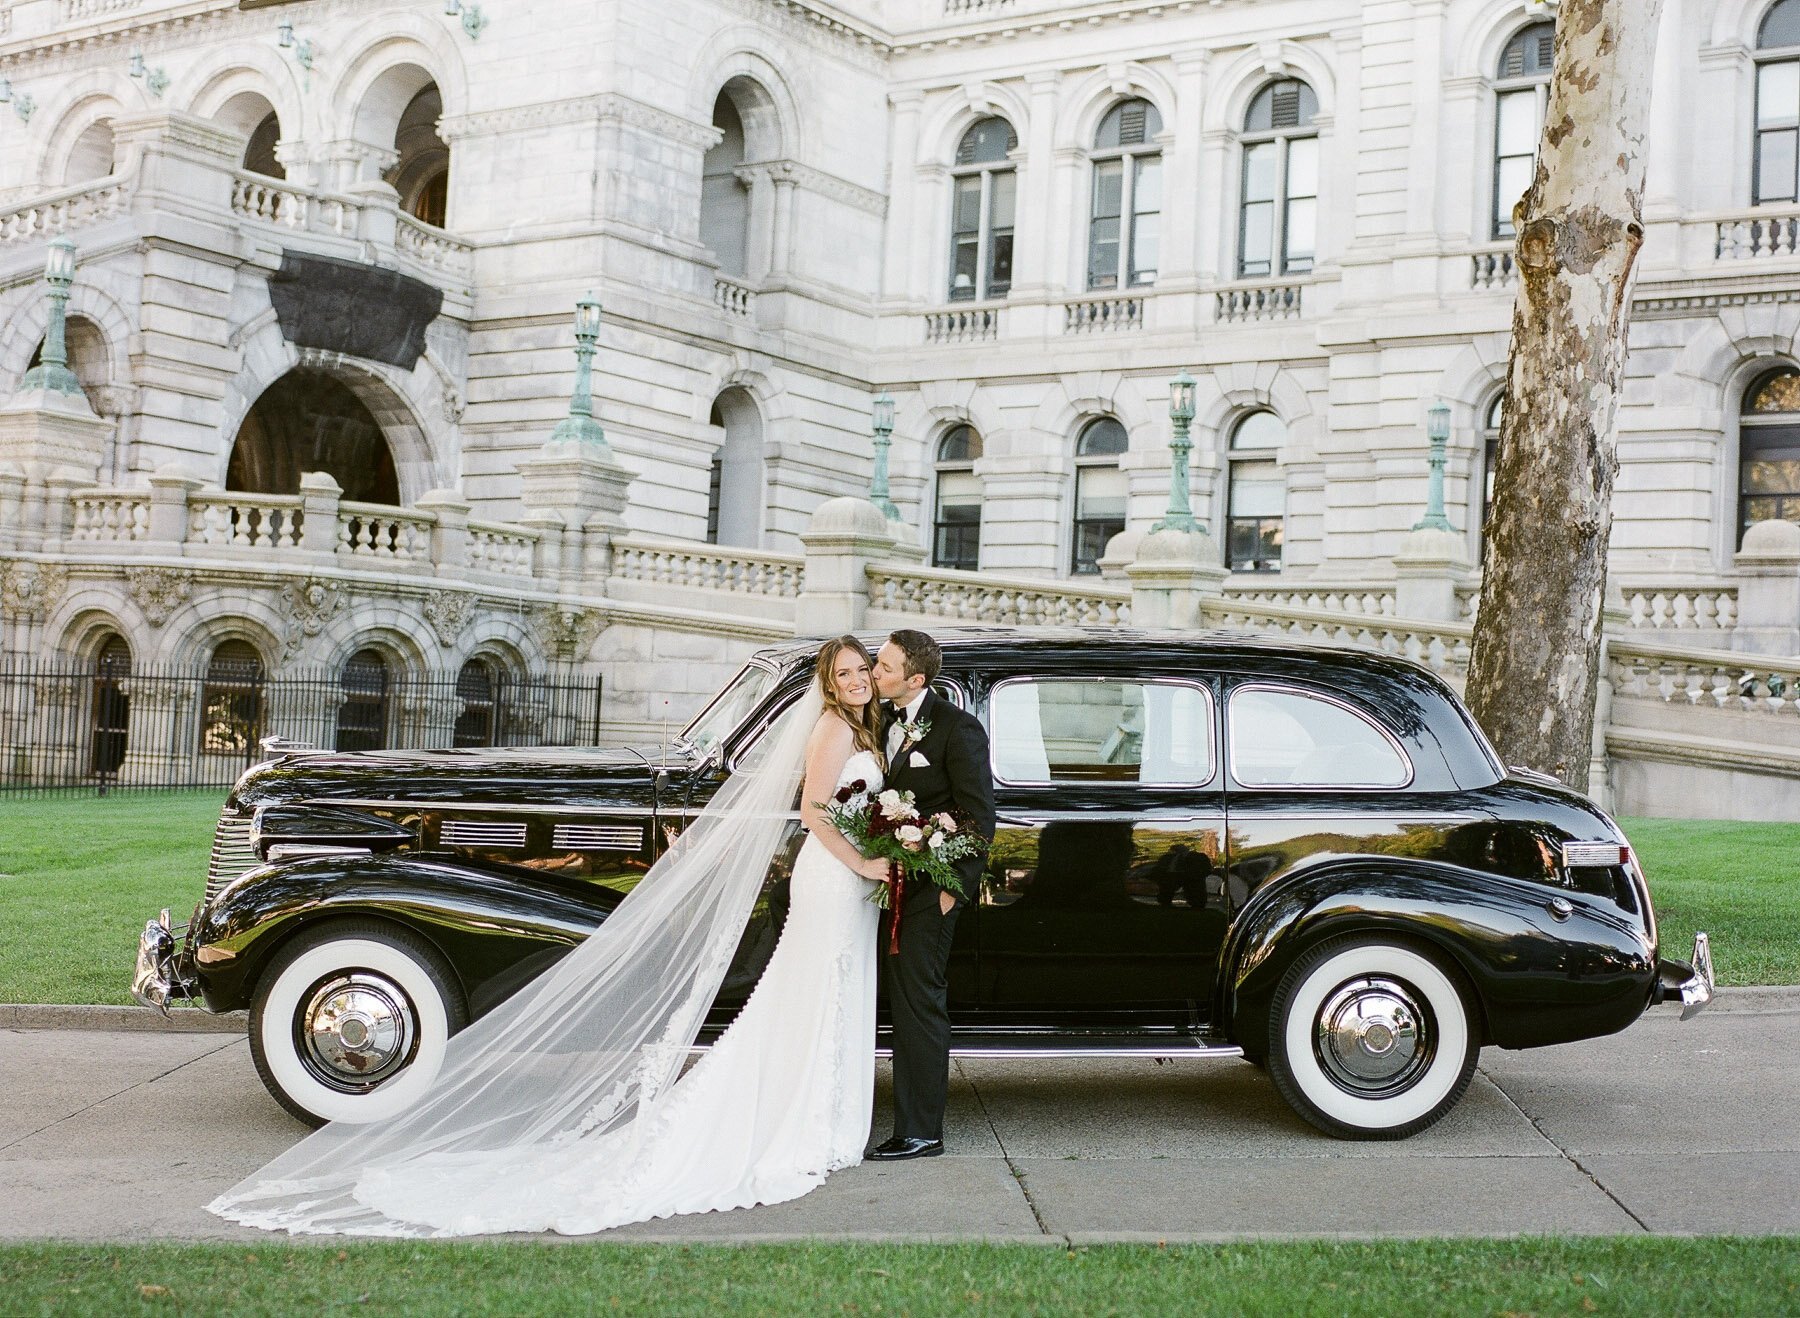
(478, 808)
(1211, 725)
(1307, 693)
(1250, 811)
(1197, 1052)
(279, 851)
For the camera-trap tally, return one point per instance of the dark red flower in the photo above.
(858, 785)
(843, 795)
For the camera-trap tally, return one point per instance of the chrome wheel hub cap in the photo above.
(357, 1029)
(1372, 1037)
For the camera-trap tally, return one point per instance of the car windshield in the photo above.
(728, 709)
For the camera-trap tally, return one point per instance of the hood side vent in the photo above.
(597, 837)
(480, 833)
(232, 853)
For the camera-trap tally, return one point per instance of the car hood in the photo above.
(465, 777)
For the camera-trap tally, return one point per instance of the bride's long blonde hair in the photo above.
(865, 725)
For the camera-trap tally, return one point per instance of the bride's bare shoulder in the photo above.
(830, 731)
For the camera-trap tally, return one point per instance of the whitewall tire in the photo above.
(1372, 1039)
(350, 1020)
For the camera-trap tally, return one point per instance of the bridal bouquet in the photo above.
(888, 824)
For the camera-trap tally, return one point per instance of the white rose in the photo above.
(894, 805)
(908, 833)
(937, 840)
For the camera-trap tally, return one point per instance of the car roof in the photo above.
(964, 645)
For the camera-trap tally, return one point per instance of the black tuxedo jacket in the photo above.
(955, 776)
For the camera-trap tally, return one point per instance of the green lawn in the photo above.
(1623, 1276)
(83, 874)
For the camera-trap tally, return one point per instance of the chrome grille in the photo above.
(480, 833)
(597, 837)
(231, 853)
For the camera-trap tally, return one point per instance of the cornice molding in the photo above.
(598, 108)
(817, 180)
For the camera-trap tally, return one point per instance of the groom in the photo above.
(939, 754)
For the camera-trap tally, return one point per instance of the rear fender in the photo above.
(494, 931)
(1536, 978)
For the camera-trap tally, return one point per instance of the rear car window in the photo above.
(1069, 730)
(1283, 738)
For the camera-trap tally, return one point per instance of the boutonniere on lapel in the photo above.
(911, 734)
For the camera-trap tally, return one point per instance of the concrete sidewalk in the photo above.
(1669, 1127)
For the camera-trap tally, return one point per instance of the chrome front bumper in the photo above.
(160, 973)
(1689, 984)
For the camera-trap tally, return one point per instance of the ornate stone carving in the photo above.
(448, 612)
(567, 632)
(309, 606)
(30, 590)
(158, 591)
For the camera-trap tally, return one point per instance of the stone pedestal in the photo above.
(319, 497)
(450, 538)
(44, 433)
(1172, 575)
(583, 485)
(1768, 611)
(1430, 568)
(845, 535)
(169, 491)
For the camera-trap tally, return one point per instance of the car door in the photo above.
(1315, 775)
(1103, 895)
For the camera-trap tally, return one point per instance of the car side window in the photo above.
(1085, 730)
(1285, 738)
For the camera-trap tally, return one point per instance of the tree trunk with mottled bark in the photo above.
(1535, 670)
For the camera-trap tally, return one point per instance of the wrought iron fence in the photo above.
(106, 725)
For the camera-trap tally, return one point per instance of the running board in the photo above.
(1033, 1045)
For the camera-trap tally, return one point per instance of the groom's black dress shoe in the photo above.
(905, 1146)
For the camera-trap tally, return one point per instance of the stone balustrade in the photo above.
(67, 209)
(1715, 679)
(245, 521)
(375, 532)
(111, 516)
(707, 567)
(255, 197)
(1376, 599)
(1756, 236)
(970, 325)
(733, 296)
(1681, 608)
(1271, 302)
(1493, 270)
(983, 597)
(507, 551)
(1098, 315)
(431, 246)
(1442, 647)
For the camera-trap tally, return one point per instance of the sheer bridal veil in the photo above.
(581, 1052)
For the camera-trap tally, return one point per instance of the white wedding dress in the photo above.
(782, 1100)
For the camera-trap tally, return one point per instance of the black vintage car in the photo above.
(1208, 846)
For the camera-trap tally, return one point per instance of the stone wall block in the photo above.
(1173, 575)
(1428, 571)
(844, 537)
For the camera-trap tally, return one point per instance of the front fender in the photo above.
(495, 931)
(1537, 979)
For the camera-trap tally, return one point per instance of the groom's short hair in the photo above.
(922, 653)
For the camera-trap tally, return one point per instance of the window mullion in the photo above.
(982, 237)
(1278, 211)
(1127, 203)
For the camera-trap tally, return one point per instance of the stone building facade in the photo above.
(327, 252)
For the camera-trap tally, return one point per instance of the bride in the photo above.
(565, 1109)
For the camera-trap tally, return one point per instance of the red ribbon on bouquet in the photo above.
(896, 897)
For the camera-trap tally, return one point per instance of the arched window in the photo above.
(422, 174)
(251, 114)
(1255, 494)
(1769, 451)
(85, 347)
(984, 190)
(310, 421)
(1099, 492)
(93, 155)
(477, 687)
(1124, 222)
(1490, 464)
(1521, 90)
(1279, 213)
(956, 532)
(724, 197)
(734, 498)
(362, 721)
(231, 701)
(111, 707)
(1776, 161)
